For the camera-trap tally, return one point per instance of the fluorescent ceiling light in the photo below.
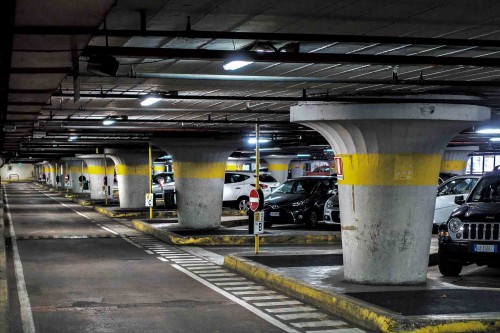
(150, 100)
(495, 139)
(108, 121)
(261, 140)
(489, 131)
(269, 149)
(329, 150)
(236, 64)
(303, 155)
(72, 138)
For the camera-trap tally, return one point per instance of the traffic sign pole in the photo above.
(257, 167)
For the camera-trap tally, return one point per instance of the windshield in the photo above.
(487, 190)
(299, 186)
(267, 179)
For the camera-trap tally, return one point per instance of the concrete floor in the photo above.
(129, 283)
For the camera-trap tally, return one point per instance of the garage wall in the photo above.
(25, 171)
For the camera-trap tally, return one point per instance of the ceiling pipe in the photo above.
(56, 111)
(294, 79)
(71, 30)
(119, 125)
(284, 57)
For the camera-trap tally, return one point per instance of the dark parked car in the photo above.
(299, 200)
(471, 235)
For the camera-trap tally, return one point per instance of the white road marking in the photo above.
(179, 261)
(320, 323)
(111, 231)
(277, 303)
(259, 298)
(200, 268)
(291, 309)
(247, 306)
(234, 283)
(254, 292)
(210, 256)
(245, 288)
(217, 274)
(307, 315)
(227, 279)
(131, 242)
(189, 265)
(162, 259)
(339, 330)
(24, 300)
(149, 252)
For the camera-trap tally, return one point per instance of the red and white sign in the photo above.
(339, 168)
(254, 200)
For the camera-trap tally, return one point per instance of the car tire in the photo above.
(312, 219)
(243, 204)
(449, 268)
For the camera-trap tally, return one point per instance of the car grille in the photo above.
(481, 231)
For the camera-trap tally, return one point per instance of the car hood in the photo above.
(283, 198)
(479, 212)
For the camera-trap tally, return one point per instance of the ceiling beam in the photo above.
(71, 30)
(286, 57)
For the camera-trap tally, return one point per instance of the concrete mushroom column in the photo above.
(391, 154)
(50, 172)
(157, 167)
(235, 164)
(297, 169)
(455, 159)
(199, 168)
(73, 171)
(132, 172)
(278, 166)
(97, 171)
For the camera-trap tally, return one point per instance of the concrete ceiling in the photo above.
(337, 50)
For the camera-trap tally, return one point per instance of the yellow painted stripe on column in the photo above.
(132, 170)
(390, 169)
(453, 166)
(159, 168)
(199, 169)
(52, 169)
(277, 167)
(99, 170)
(231, 167)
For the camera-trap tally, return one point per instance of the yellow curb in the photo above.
(354, 310)
(234, 240)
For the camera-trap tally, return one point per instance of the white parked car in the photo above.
(238, 184)
(446, 193)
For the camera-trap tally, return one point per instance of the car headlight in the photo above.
(299, 203)
(454, 225)
(329, 204)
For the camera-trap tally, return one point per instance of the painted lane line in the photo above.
(245, 288)
(254, 292)
(227, 279)
(162, 259)
(307, 315)
(291, 309)
(339, 330)
(131, 242)
(320, 323)
(24, 300)
(149, 252)
(238, 301)
(217, 274)
(258, 298)
(234, 283)
(111, 231)
(277, 303)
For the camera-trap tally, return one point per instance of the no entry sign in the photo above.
(254, 200)
(339, 167)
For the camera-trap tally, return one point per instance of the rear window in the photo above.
(267, 179)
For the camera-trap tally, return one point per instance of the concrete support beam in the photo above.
(391, 155)
(455, 159)
(278, 166)
(199, 167)
(50, 173)
(98, 170)
(132, 172)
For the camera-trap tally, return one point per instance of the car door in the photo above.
(324, 192)
(445, 200)
(233, 186)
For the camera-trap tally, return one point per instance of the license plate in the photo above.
(484, 248)
(274, 214)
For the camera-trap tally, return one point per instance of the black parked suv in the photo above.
(299, 200)
(471, 234)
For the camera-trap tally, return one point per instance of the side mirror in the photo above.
(459, 199)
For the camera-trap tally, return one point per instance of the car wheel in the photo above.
(449, 268)
(243, 204)
(313, 219)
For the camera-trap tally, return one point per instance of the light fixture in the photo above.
(270, 149)
(489, 131)
(261, 140)
(73, 138)
(328, 150)
(149, 100)
(236, 64)
(109, 121)
(495, 139)
(303, 155)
